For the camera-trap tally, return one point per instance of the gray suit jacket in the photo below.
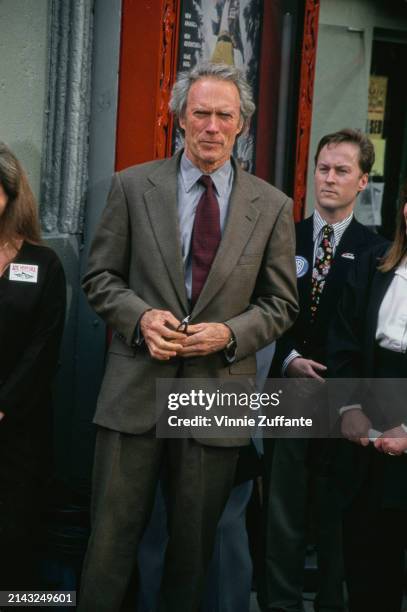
(135, 264)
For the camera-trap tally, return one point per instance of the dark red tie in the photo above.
(206, 236)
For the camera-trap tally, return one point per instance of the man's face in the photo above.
(211, 122)
(338, 179)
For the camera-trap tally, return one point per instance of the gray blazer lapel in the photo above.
(242, 218)
(161, 204)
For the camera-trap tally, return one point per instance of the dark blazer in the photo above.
(309, 339)
(135, 264)
(31, 323)
(352, 335)
(351, 354)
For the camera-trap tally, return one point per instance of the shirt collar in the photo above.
(190, 174)
(338, 228)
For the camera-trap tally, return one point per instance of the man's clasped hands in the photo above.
(167, 337)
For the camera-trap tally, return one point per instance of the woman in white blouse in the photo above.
(369, 340)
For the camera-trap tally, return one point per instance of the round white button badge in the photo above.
(302, 265)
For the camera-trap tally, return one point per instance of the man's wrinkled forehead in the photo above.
(198, 88)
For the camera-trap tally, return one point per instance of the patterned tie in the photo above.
(321, 268)
(206, 236)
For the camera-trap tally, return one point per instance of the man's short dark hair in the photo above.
(356, 137)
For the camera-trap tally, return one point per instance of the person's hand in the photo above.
(159, 331)
(2, 415)
(204, 339)
(300, 367)
(355, 426)
(392, 442)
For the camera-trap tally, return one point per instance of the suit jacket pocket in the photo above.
(249, 259)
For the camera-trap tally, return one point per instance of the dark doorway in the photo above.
(389, 59)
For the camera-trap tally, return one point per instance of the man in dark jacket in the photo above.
(328, 242)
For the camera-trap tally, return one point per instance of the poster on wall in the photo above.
(376, 115)
(377, 105)
(223, 31)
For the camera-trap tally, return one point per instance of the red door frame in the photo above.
(148, 59)
(307, 78)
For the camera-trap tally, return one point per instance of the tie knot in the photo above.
(206, 181)
(327, 231)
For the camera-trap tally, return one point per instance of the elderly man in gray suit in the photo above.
(191, 238)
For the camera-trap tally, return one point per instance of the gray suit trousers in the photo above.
(126, 471)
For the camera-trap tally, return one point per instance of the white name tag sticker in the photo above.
(26, 273)
(348, 255)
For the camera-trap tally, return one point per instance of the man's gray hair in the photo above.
(223, 72)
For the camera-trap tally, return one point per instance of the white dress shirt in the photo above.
(391, 332)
